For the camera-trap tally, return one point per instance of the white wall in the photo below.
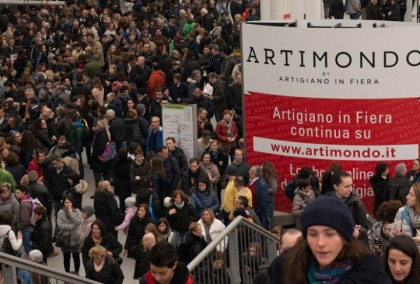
(298, 9)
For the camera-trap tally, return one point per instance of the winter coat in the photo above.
(300, 201)
(135, 235)
(106, 210)
(57, 183)
(214, 173)
(216, 228)
(129, 214)
(172, 171)
(159, 140)
(189, 182)
(181, 220)
(108, 241)
(397, 189)
(141, 171)
(68, 223)
(71, 159)
(76, 136)
(142, 262)
(41, 236)
(377, 240)
(122, 184)
(118, 132)
(221, 131)
(17, 171)
(358, 210)
(11, 205)
(98, 147)
(379, 186)
(40, 191)
(204, 199)
(132, 130)
(86, 227)
(160, 186)
(111, 273)
(405, 223)
(14, 241)
(193, 246)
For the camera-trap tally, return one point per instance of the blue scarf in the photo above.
(330, 275)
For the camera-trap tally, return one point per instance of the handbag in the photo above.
(110, 151)
(62, 240)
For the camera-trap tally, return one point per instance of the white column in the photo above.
(265, 10)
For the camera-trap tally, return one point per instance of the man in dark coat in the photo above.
(116, 127)
(170, 165)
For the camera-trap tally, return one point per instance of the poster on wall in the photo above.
(351, 99)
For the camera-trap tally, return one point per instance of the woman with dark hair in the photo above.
(69, 219)
(42, 234)
(106, 208)
(381, 232)
(122, 184)
(326, 185)
(402, 260)
(99, 236)
(271, 177)
(328, 252)
(204, 197)
(139, 172)
(379, 184)
(28, 145)
(158, 178)
(14, 167)
(211, 170)
(40, 130)
(407, 216)
(136, 230)
(303, 196)
(180, 215)
(77, 188)
(165, 231)
(343, 189)
(100, 139)
(308, 173)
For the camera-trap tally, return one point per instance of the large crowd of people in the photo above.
(81, 89)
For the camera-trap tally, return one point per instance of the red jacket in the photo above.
(221, 131)
(181, 276)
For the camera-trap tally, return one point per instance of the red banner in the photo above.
(293, 132)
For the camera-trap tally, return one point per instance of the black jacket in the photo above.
(106, 210)
(141, 171)
(172, 171)
(111, 273)
(132, 130)
(193, 246)
(181, 220)
(397, 189)
(57, 183)
(98, 147)
(379, 186)
(135, 234)
(41, 236)
(108, 241)
(118, 131)
(122, 184)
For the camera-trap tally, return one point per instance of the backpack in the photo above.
(6, 247)
(289, 190)
(34, 203)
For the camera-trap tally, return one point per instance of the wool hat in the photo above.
(89, 210)
(130, 202)
(329, 211)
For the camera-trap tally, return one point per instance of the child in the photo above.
(130, 211)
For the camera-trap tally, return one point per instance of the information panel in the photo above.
(180, 122)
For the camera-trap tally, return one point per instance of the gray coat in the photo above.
(11, 205)
(69, 223)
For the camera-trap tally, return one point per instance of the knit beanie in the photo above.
(329, 211)
(89, 210)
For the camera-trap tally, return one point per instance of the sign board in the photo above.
(180, 122)
(319, 95)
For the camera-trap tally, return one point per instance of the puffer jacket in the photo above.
(68, 223)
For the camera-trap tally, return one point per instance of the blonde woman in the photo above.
(101, 170)
(102, 267)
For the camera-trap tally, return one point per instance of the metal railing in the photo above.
(13, 269)
(249, 252)
(371, 220)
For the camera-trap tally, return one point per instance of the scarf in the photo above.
(180, 206)
(99, 267)
(229, 128)
(330, 275)
(414, 218)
